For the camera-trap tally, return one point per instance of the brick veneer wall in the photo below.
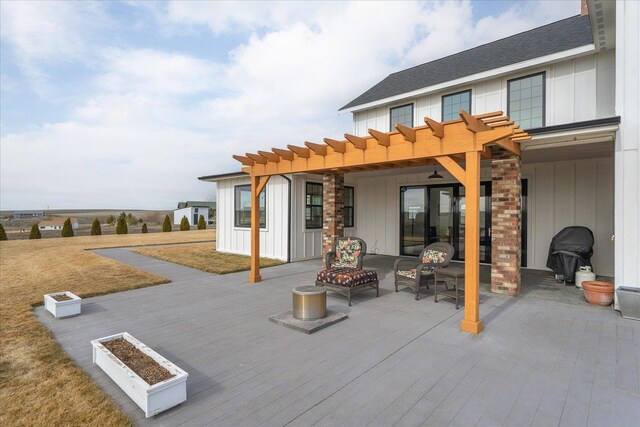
(332, 210)
(506, 223)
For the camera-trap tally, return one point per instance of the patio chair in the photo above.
(415, 273)
(343, 272)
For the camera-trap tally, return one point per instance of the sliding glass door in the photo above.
(413, 207)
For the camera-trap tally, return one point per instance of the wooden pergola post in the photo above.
(257, 186)
(471, 322)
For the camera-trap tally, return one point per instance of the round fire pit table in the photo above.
(309, 302)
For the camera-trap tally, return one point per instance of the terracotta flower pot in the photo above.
(598, 293)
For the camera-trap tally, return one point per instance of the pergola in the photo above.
(466, 140)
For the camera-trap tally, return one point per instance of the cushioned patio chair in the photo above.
(415, 273)
(343, 272)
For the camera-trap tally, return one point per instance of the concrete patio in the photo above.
(544, 358)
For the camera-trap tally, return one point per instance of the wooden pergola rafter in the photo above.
(467, 139)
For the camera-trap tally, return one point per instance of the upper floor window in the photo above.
(242, 211)
(526, 101)
(313, 208)
(349, 204)
(455, 102)
(402, 115)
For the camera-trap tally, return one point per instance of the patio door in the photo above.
(413, 208)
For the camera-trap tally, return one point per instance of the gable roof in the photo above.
(196, 204)
(56, 222)
(552, 38)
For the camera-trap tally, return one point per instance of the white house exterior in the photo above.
(192, 211)
(57, 224)
(580, 167)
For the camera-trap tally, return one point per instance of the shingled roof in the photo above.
(552, 38)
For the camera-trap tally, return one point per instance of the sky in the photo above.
(124, 104)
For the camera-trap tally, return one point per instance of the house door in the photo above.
(195, 219)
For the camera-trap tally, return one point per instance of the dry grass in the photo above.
(205, 258)
(39, 384)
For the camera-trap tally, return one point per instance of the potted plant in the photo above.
(62, 304)
(597, 292)
(126, 361)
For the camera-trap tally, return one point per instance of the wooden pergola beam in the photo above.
(303, 152)
(382, 137)
(358, 142)
(319, 149)
(244, 160)
(474, 124)
(408, 133)
(257, 158)
(453, 168)
(338, 146)
(271, 157)
(436, 127)
(284, 154)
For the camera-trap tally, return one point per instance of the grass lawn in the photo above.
(39, 384)
(205, 258)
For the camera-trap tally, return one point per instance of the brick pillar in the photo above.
(332, 210)
(506, 219)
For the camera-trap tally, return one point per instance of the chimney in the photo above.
(584, 8)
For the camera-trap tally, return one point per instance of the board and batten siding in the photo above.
(273, 238)
(560, 194)
(576, 90)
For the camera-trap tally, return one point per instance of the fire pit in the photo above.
(309, 302)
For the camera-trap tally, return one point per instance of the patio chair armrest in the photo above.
(331, 255)
(404, 264)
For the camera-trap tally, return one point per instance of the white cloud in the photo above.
(155, 119)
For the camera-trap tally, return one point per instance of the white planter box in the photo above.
(152, 399)
(61, 309)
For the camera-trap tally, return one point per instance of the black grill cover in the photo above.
(570, 249)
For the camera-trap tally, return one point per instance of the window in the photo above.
(243, 207)
(402, 115)
(313, 212)
(455, 102)
(349, 203)
(526, 101)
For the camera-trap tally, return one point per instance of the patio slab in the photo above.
(396, 361)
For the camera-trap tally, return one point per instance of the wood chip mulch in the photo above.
(143, 365)
(61, 297)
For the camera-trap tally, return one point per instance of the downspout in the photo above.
(289, 220)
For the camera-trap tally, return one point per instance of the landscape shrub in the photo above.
(201, 224)
(3, 234)
(144, 228)
(67, 230)
(96, 230)
(35, 232)
(121, 227)
(184, 224)
(166, 224)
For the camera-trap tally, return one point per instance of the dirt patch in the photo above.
(61, 297)
(143, 365)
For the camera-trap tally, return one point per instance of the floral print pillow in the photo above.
(433, 257)
(347, 253)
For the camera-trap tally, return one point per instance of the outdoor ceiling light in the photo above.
(435, 175)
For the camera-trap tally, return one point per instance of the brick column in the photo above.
(332, 210)
(506, 219)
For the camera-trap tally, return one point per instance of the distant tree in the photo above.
(201, 224)
(67, 230)
(122, 215)
(144, 228)
(184, 224)
(3, 234)
(121, 227)
(96, 230)
(131, 220)
(140, 220)
(166, 224)
(35, 232)
(111, 220)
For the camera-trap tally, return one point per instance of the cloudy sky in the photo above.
(124, 104)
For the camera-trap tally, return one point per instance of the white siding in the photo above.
(576, 90)
(273, 239)
(560, 194)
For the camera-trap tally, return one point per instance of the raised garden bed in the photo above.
(150, 380)
(62, 304)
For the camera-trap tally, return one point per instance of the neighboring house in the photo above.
(193, 210)
(572, 84)
(28, 214)
(56, 224)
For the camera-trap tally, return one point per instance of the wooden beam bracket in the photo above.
(383, 138)
(358, 142)
(408, 133)
(338, 146)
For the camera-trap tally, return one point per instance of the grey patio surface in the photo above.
(394, 361)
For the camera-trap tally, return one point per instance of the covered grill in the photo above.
(570, 249)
